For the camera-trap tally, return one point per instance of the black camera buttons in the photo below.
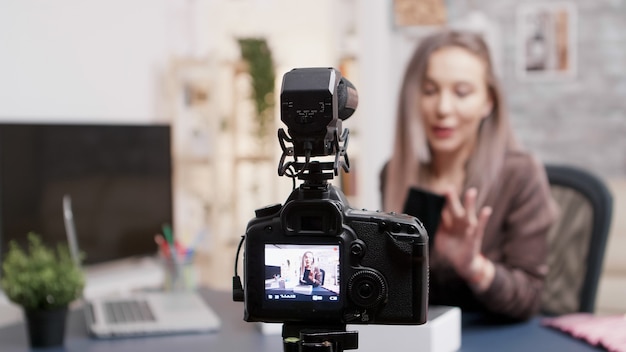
(357, 248)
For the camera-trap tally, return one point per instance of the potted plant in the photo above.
(43, 282)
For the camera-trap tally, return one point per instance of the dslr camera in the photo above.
(315, 260)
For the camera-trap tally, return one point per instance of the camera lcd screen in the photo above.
(303, 273)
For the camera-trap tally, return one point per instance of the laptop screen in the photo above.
(118, 177)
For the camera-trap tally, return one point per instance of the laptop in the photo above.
(141, 313)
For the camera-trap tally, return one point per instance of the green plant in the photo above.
(261, 67)
(40, 278)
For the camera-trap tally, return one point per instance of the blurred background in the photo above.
(212, 69)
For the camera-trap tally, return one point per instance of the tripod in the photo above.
(300, 337)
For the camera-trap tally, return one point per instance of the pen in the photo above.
(167, 232)
(196, 241)
(169, 237)
(163, 247)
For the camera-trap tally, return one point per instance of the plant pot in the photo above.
(46, 328)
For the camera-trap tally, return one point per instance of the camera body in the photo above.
(316, 260)
(375, 264)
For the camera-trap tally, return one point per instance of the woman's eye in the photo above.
(462, 92)
(429, 90)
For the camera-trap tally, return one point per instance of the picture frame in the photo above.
(419, 13)
(546, 40)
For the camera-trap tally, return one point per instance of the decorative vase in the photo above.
(46, 328)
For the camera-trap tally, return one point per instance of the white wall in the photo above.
(376, 107)
(300, 34)
(105, 60)
(384, 53)
(87, 60)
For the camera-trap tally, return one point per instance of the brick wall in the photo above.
(581, 121)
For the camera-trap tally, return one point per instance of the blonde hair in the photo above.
(302, 265)
(411, 155)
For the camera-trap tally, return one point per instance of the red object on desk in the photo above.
(164, 247)
(608, 332)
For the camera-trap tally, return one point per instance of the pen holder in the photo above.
(180, 274)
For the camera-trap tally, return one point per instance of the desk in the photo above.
(478, 335)
(237, 335)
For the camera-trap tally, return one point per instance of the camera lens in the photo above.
(367, 288)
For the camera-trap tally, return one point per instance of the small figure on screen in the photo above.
(310, 274)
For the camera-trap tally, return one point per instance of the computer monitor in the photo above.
(119, 178)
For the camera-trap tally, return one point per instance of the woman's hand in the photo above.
(315, 277)
(460, 235)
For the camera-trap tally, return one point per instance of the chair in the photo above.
(577, 241)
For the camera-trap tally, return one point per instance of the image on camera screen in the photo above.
(295, 272)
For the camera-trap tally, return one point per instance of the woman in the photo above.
(453, 137)
(309, 273)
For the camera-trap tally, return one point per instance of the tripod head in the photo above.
(307, 338)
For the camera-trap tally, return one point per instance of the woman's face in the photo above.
(308, 259)
(454, 100)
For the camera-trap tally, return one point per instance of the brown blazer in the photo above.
(515, 240)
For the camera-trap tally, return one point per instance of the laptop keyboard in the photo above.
(128, 311)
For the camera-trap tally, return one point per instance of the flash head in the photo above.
(313, 102)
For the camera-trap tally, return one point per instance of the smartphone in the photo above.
(425, 206)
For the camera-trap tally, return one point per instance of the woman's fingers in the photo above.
(464, 218)
(483, 218)
(470, 204)
(446, 217)
(453, 203)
